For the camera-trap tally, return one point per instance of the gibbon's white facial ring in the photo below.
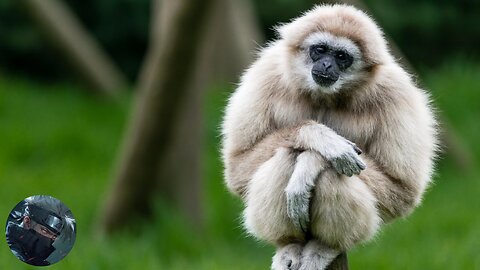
(329, 74)
(339, 43)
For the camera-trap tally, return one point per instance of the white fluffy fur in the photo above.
(288, 144)
(325, 141)
(265, 213)
(334, 42)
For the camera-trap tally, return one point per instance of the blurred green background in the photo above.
(57, 139)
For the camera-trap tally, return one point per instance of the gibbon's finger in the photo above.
(347, 164)
(348, 171)
(357, 150)
(359, 162)
(343, 165)
(355, 166)
(346, 167)
(352, 167)
(303, 221)
(337, 166)
(355, 170)
(361, 165)
(355, 147)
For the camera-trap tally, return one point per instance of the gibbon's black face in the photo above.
(328, 63)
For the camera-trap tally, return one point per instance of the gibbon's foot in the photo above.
(316, 256)
(287, 257)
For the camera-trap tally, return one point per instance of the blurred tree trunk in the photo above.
(223, 52)
(234, 34)
(164, 98)
(65, 32)
(162, 154)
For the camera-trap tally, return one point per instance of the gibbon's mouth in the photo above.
(324, 80)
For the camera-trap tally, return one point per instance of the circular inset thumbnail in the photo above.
(40, 230)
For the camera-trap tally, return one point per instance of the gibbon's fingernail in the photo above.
(358, 150)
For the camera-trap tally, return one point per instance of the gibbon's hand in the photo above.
(308, 166)
(298, 205)
(345, 159)
(340, 152)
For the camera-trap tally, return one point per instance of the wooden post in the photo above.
(340, 263)
(66, 33)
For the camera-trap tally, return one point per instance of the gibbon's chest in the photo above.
(355, 127)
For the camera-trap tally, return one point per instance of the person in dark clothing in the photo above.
(31, 239)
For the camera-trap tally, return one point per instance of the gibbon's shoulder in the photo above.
(393, 89)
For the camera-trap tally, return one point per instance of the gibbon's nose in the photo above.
(327, 64)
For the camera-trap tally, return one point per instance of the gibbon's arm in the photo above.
(250, 137)
(241, 163)
(400, 157)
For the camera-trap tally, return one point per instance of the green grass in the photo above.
(57, 140)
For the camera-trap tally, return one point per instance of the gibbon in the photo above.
(326, 138)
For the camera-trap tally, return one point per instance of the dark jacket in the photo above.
(28, 245)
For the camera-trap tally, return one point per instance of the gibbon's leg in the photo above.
(265, 215)
(343, 211)
(287, 257)
(317, 256)
(308, 166)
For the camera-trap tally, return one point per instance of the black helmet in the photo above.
(46, 218)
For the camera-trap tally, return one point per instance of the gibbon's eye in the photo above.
(320, 49)
(343, 59)
(341, 55)
(316, 51)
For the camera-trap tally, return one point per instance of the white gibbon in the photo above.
(294, 127)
